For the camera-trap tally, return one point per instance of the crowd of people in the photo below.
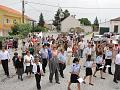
(57, 53)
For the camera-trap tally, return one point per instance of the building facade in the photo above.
(68, 23)
(110, 26)
(71, 23)
(9, 17)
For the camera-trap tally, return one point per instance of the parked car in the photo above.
(97, 38)
(107, 34)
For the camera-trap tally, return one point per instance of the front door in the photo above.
(116, 28)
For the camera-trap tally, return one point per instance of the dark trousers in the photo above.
(56, 76)
(108, 62)
(62, 67)
(81, 53)
(5, 66)
(44, 64)
(38, 78)
(117, 72)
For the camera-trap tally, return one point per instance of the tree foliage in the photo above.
(96, 23)
(21, 29)
(85, 21)
(41, 20)
(39, 29)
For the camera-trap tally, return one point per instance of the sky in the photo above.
(103, 9)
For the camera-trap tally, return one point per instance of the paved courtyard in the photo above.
(29, 83)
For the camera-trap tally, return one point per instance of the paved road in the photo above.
(29, 83)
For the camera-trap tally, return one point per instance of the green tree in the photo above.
(96, 25)
(41, 20)
(66, 14)
(15, 30)
(85, 21)
(21, 30)
(39, 29)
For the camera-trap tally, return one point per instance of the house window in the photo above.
(116, 28)
(7, 21)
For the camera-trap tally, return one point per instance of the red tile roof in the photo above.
(13, 11)
(9, 10)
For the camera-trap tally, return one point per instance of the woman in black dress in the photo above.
(19, 66)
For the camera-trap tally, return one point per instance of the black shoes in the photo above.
(58, 82)
(8, 76)
(50, 81)
(84, 82)
(115, 81)
(21, 79)
(110, 73)
(91, 84)
(94, 76)
(102, 78)
(104, 71)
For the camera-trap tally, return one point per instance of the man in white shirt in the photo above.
(44, 56)
(117, 68)
(87, 50)
(4, 58)
(81, 48)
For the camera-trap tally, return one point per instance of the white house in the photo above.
(110, 26)
(72, 23)
(104, 27)
(68, 23)
(115, 25)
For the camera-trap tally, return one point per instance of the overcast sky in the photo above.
(89, 8)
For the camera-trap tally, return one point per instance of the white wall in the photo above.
(113, 23)
(105, 24)
(86, 28)
(69, 23)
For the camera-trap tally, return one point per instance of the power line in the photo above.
(43, 4)
(71, 7)
(89, 8)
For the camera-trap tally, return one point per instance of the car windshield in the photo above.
(96, 36)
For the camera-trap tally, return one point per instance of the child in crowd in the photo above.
(75, 70)
(37, 70)
(89, 64)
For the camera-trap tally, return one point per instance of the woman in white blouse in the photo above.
(89, 64)
(75, 70)
(28, 60)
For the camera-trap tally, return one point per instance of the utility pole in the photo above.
(23, 10)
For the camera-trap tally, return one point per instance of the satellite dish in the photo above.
(61, 15)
